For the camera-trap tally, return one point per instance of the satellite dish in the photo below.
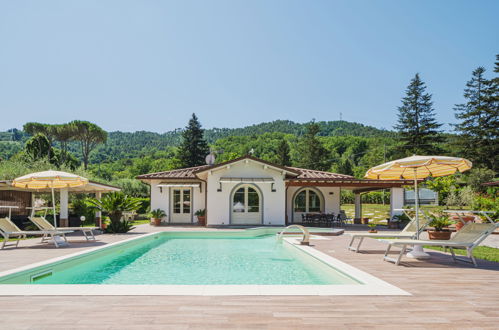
(210, 159)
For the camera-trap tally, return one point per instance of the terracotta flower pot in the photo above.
(373, 231)
(459, 223)
(202, 220)
(156, 221)
(439, 235)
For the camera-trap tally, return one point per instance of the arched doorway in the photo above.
(307, 200)
(246, 205)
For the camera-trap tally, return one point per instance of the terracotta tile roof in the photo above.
(295, 172)
(306, 174)
(182, 173)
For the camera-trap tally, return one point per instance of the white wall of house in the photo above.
(219, 202)
(160, 199)
(331, 198)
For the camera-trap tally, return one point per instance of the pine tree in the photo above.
(312, 154)
(479, 120)
(417, 125)
(282, 153)
(193, 150)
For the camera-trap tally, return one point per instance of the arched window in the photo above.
(307, 201)
(246, 200)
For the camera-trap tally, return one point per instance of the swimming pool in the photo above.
(188, 260)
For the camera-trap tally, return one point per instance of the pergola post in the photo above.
(396, 201)
(64, 213)
(358, 208)
(98, 213)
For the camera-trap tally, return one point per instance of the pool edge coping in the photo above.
(371, 285)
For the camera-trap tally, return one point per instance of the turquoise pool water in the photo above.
(185, 260)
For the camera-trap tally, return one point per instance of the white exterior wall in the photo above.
(160, 199)
(331, 197)
(219, 202)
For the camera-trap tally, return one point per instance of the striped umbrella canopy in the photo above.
(49, 180)
(417, 168)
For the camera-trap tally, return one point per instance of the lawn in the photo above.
(376, 212)
(140, 222)
(480, 252)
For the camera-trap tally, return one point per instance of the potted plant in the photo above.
(439, 224)
(201, 214)
(372, 227)
(156, 216)
(465, 218)
(399, 221)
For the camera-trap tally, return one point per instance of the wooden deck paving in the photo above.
(444, 295)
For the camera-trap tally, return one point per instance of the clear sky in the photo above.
(148, 65)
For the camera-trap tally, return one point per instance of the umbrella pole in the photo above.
(416, 201)
(417, 250)
(53, 207)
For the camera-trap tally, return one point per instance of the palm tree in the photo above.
(114, 204)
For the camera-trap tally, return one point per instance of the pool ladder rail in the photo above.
(306, 234)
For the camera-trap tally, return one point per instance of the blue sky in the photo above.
(148, 65)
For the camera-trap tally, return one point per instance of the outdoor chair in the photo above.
(331, 220)
(469, 237)
(343, 217)
(43, 224)
(9, 229)
(409, 231)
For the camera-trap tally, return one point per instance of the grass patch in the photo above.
(140, 222)
(480, 252)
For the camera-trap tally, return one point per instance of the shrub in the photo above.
(114, 204)
(157, 214)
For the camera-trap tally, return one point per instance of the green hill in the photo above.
(123, 145)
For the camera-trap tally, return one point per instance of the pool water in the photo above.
(166, 259)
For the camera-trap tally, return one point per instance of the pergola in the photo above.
(358, 187)
(91, 187)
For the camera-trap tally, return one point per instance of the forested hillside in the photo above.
(126, 145)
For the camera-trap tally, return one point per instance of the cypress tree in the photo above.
(479, 120)
(417, 125)
(193, 150)
(282, 153)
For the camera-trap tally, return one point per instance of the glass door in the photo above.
(181, 205)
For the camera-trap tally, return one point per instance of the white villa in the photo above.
(251, 191)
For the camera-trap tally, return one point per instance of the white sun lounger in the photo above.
(409, 231)
(469, 237)
(9, 229)
(43, 224)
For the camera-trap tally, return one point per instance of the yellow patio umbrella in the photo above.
(418, 168)
(49, 180)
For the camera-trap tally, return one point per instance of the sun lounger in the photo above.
(43, 224)
(469, 237)
(409, 231)
(9, 229)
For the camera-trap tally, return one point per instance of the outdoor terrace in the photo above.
(444, 295)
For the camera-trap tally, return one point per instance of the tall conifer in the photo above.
(193, 150)
(418, 128)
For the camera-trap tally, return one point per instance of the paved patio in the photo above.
(444, 295)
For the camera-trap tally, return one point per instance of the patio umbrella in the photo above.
(49, 180)
(418, 168)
